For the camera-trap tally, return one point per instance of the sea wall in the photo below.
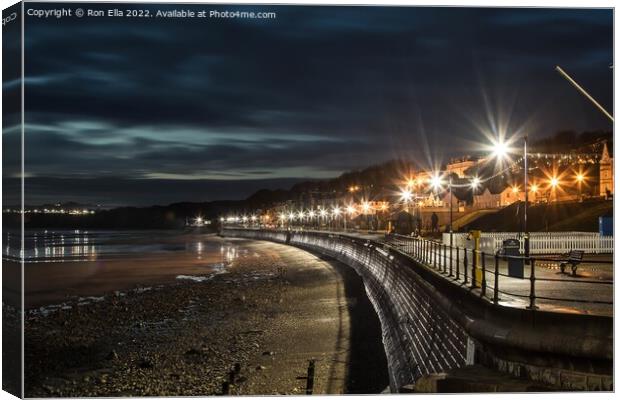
(430, 325)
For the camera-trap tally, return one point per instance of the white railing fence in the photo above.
(540, 242)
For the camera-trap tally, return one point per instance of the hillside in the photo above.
(568, 216)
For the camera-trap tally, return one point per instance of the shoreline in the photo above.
(273, 309)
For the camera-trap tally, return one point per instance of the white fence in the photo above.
(540, 242)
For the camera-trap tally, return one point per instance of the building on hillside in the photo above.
(486, 199)
(460, 165)
(606, 173)
(457, 204)
(510, 195)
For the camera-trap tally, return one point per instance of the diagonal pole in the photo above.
(583, 91)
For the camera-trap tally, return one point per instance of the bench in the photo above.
(572, 258)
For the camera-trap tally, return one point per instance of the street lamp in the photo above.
(365, 210)
(350, 210)
(436, 181)
(406, 195)
(336, 213)
(475, 183)
(580, 178)
(500, 149)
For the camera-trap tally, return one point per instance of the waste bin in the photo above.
(510, 247)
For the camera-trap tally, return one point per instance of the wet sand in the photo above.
(274, 309)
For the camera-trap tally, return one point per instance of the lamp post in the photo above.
(526, 236)
(450, 191)
(579, 182)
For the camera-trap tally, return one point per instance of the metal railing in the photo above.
(488, 273)
(540, 242)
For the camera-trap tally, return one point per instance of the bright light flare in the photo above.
(336, 211)
(406, 195)
(475, 183)
(436, 181)
(499, 149)
(554, 182)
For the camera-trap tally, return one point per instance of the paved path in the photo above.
(588, 290)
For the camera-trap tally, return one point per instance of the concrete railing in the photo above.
(430, 325)
(540, 242)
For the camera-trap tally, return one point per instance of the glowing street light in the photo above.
(436, 181)
(475, 183)
(336, 211)
(406, 195)
(534, 188)
(580, 178)
(554, 182)
(500, 149)
(515, 189)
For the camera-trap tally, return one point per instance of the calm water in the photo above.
(90, 245)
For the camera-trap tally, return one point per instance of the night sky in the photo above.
(140, 112)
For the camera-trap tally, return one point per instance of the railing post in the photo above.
(495, 288)
(483, 284)
(473, 268)
(445, 266)
(458, 265)
(434, 255)
(465, 265)
(532, 305)
(450, 274)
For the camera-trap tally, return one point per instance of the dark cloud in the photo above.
(317, 91)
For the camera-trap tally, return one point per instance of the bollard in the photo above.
(532, 305)
(495, 288)
(225, 388)
(310, 380)
(483, 284)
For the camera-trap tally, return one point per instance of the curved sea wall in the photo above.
(430, 325)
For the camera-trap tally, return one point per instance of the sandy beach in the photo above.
(267, 313)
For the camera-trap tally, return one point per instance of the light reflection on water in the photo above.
(84, 245)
